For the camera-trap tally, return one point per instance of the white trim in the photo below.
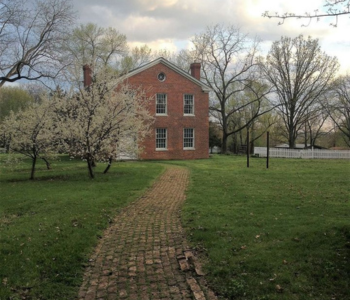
(170, 65)
(193, 139)
(183, 105)
(166, 104)
(166, 139)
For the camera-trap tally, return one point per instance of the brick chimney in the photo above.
(87, 75)
(196, 70)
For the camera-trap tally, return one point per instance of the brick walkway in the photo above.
(144, 255)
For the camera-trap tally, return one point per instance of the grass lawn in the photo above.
(49, 226)
(281, 233)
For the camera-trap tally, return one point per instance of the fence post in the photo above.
(248, 148)
(267, 149)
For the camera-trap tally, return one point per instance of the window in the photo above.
(161, 138)
(188, 138)
(161, 76)
(161, 108)
(188, 105)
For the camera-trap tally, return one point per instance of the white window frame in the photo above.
(166, 104)
(188, 138)
(162, 139)
(184, 104)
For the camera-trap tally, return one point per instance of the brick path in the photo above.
(144, 255)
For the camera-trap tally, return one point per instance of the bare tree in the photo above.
(98, 47)
(137, 57)
(339, 105)
(258, 126)
(230, 68)
(332, 8)
(314, 125)
(31, 36)
(300, 73)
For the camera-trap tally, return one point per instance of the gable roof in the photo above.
(162, 60)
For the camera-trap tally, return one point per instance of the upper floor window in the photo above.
(188, 104)
(161, 104)
(161, 76)
(188, 138)
(161, 138)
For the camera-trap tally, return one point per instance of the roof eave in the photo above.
(170, 65)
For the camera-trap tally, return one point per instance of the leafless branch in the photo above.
(31, 38)
(334, 8)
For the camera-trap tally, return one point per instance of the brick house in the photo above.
(180, 105)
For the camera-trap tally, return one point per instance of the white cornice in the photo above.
(170, 65)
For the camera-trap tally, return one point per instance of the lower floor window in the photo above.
(161, 138)
(188, 138)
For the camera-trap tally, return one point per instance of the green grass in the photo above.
(281, 233)
(49, 226)
(256, 229)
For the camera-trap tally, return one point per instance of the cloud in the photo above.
(147, 20)
(171, 23)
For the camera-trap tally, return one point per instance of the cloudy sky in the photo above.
(170, 24)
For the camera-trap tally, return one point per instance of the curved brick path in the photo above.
(144, 255)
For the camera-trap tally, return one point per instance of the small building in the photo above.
(180, 105)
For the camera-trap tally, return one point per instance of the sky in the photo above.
(171, 24)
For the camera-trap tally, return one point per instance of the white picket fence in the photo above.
(307, 153)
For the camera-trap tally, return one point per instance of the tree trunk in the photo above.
(108, 166)
(48, 165)
(251, 147)
(33, 168)
(241, 143)
(305, 137)
(93, 163)
(291, 139)
(224, 143)
(7, 147)
(235, 142)
(90, 166)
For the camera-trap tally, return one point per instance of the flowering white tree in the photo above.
(97, 118)
(32, 131)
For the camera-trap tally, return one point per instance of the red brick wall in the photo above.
(175, 86)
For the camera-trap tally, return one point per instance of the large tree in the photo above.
(300, 73)
(32, 33)
(230, 69)
(98, 47)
